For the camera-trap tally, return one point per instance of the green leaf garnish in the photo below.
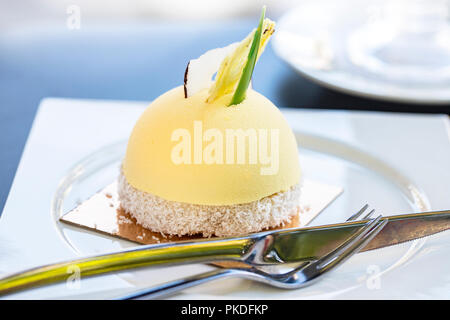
(244, 81)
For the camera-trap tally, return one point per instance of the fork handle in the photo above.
(142, 256)
(169, 288)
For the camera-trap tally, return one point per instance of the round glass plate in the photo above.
(365, 179)
(379, 49)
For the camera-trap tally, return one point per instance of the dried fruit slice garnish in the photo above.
(232, 67)
(199, 72)
(229, 63)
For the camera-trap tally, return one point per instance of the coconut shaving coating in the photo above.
(179, 218)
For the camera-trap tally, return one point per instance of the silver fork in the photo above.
(301, 276)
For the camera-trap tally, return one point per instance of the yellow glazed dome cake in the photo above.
(213, 158)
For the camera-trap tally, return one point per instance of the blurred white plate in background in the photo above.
(391, 50)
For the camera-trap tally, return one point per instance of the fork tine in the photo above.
(350, 242)
(357, 214)
(367, 216)
(356, 247)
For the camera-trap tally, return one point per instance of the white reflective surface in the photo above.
(414, 151)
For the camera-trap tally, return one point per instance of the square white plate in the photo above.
(415, 147)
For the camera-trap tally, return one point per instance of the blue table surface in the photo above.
(133, 62)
